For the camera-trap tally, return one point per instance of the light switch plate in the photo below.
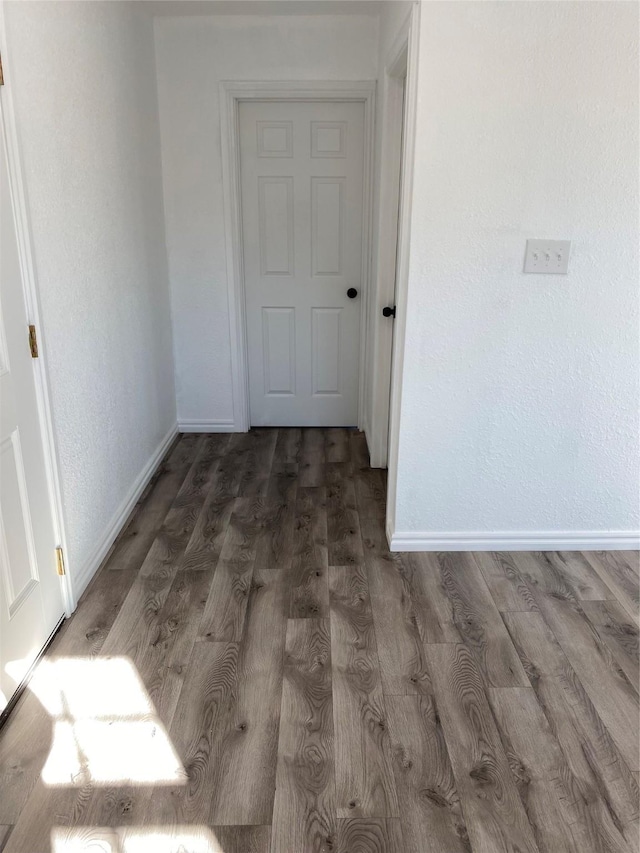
(547, 256)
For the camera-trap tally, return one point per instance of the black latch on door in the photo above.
(352, 293)
(389, 312)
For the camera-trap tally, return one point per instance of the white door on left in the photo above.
(30, 594)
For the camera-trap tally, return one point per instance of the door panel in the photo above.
(275, 211)
(30, 593)
(325, 337)
(279, 341)
(327, 225)
(301, 180)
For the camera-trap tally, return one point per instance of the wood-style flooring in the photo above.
(252, 671)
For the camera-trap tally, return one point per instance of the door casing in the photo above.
(231, 94)
(388, 228)
(403, 58)
(8, 127)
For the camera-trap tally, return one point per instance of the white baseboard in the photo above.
(207, 426)
(526, 540)
(81, 579)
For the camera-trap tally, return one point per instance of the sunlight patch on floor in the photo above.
(105, 727)
(93, 839)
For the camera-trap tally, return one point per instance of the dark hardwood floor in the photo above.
(252, 671)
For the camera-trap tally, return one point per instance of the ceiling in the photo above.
(263, 7)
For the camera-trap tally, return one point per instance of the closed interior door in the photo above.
(30, 593)
(302, 210)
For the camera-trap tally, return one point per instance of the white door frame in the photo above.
(17, 190)
(411, 39)
(392, 225)
(231, 95)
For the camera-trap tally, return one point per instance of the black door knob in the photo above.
(352, 293)
(389, 312)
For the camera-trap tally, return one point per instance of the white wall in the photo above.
(83, 79)
(520, 393)
(193, 55)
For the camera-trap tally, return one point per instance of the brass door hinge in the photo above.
(1, 74)
(60, 561)
(33, 342)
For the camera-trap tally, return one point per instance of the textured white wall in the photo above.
(84, 85)
(193, 55)
(520, 393)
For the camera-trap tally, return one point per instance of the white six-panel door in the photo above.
(30, 594)
(302, 203)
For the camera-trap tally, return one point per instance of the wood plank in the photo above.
(507, 588)
(394, 602)
(172, 643)
(304, 812)
(310, 541)
(478, 621)
(434, 611)
(243, 839)
(275, 543)
(162, 665)
(224, 613)
(619, 633)
(137, 618)
(430, 809)
(576, 569)
(84, 839)
(544, 781)
(166, 838)
(371, 493)
(495, 818)
(207, 539)
(231, 471)
(365, 785)
(205, 712)
(243, 787)
(337, 445)
(368, 835)
(309, 565)
(620, 570)
(608, 688)
(288, 445)
(359, 450)
(258, 451)
(283, 482)
(607, 804)
(370, 483)
(312, 458)
(343, 525)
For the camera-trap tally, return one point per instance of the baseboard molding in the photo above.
(536, 540)
(80, 580)
(207, 426)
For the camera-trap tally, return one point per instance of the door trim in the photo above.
(412, 42)
(8, 126)
(232, 93)
(392, 119)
